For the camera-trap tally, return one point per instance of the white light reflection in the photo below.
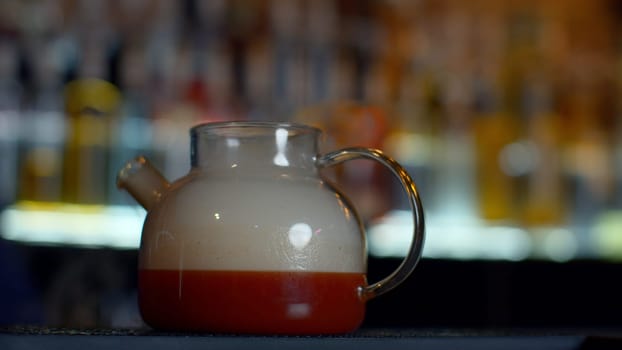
(281, 141)
(560, 245)
(233, 143)
(446, 238)
(299, 235)
(73, 224)
(298, 310)
(518, 158)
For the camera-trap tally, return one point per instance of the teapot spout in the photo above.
(142, 181)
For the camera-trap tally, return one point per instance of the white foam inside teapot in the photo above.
(228, 224)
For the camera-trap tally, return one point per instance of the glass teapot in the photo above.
(253, 239)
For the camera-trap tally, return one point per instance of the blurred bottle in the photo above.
(131, 20)
(289, 62)
(377, 85)
(342, 77)
(214, 92)
(44, 128)
(411, 138)
(617, 154)
(130, 133)
(90, 106)
(259, 79)
(540, 156)
(321, 21)
(174, 111)
(211, 20)
(589, 165)
(495, 129)
(10, 100)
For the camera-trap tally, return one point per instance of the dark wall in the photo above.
(450, 293)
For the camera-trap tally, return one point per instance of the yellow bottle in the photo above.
(90, 103)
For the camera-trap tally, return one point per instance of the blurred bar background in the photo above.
(506, 113)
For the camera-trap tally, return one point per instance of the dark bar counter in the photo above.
(67, 339)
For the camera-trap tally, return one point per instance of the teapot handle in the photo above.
(414, 254)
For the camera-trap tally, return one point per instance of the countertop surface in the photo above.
(54, 338)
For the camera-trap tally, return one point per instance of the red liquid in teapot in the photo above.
(285, 302)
